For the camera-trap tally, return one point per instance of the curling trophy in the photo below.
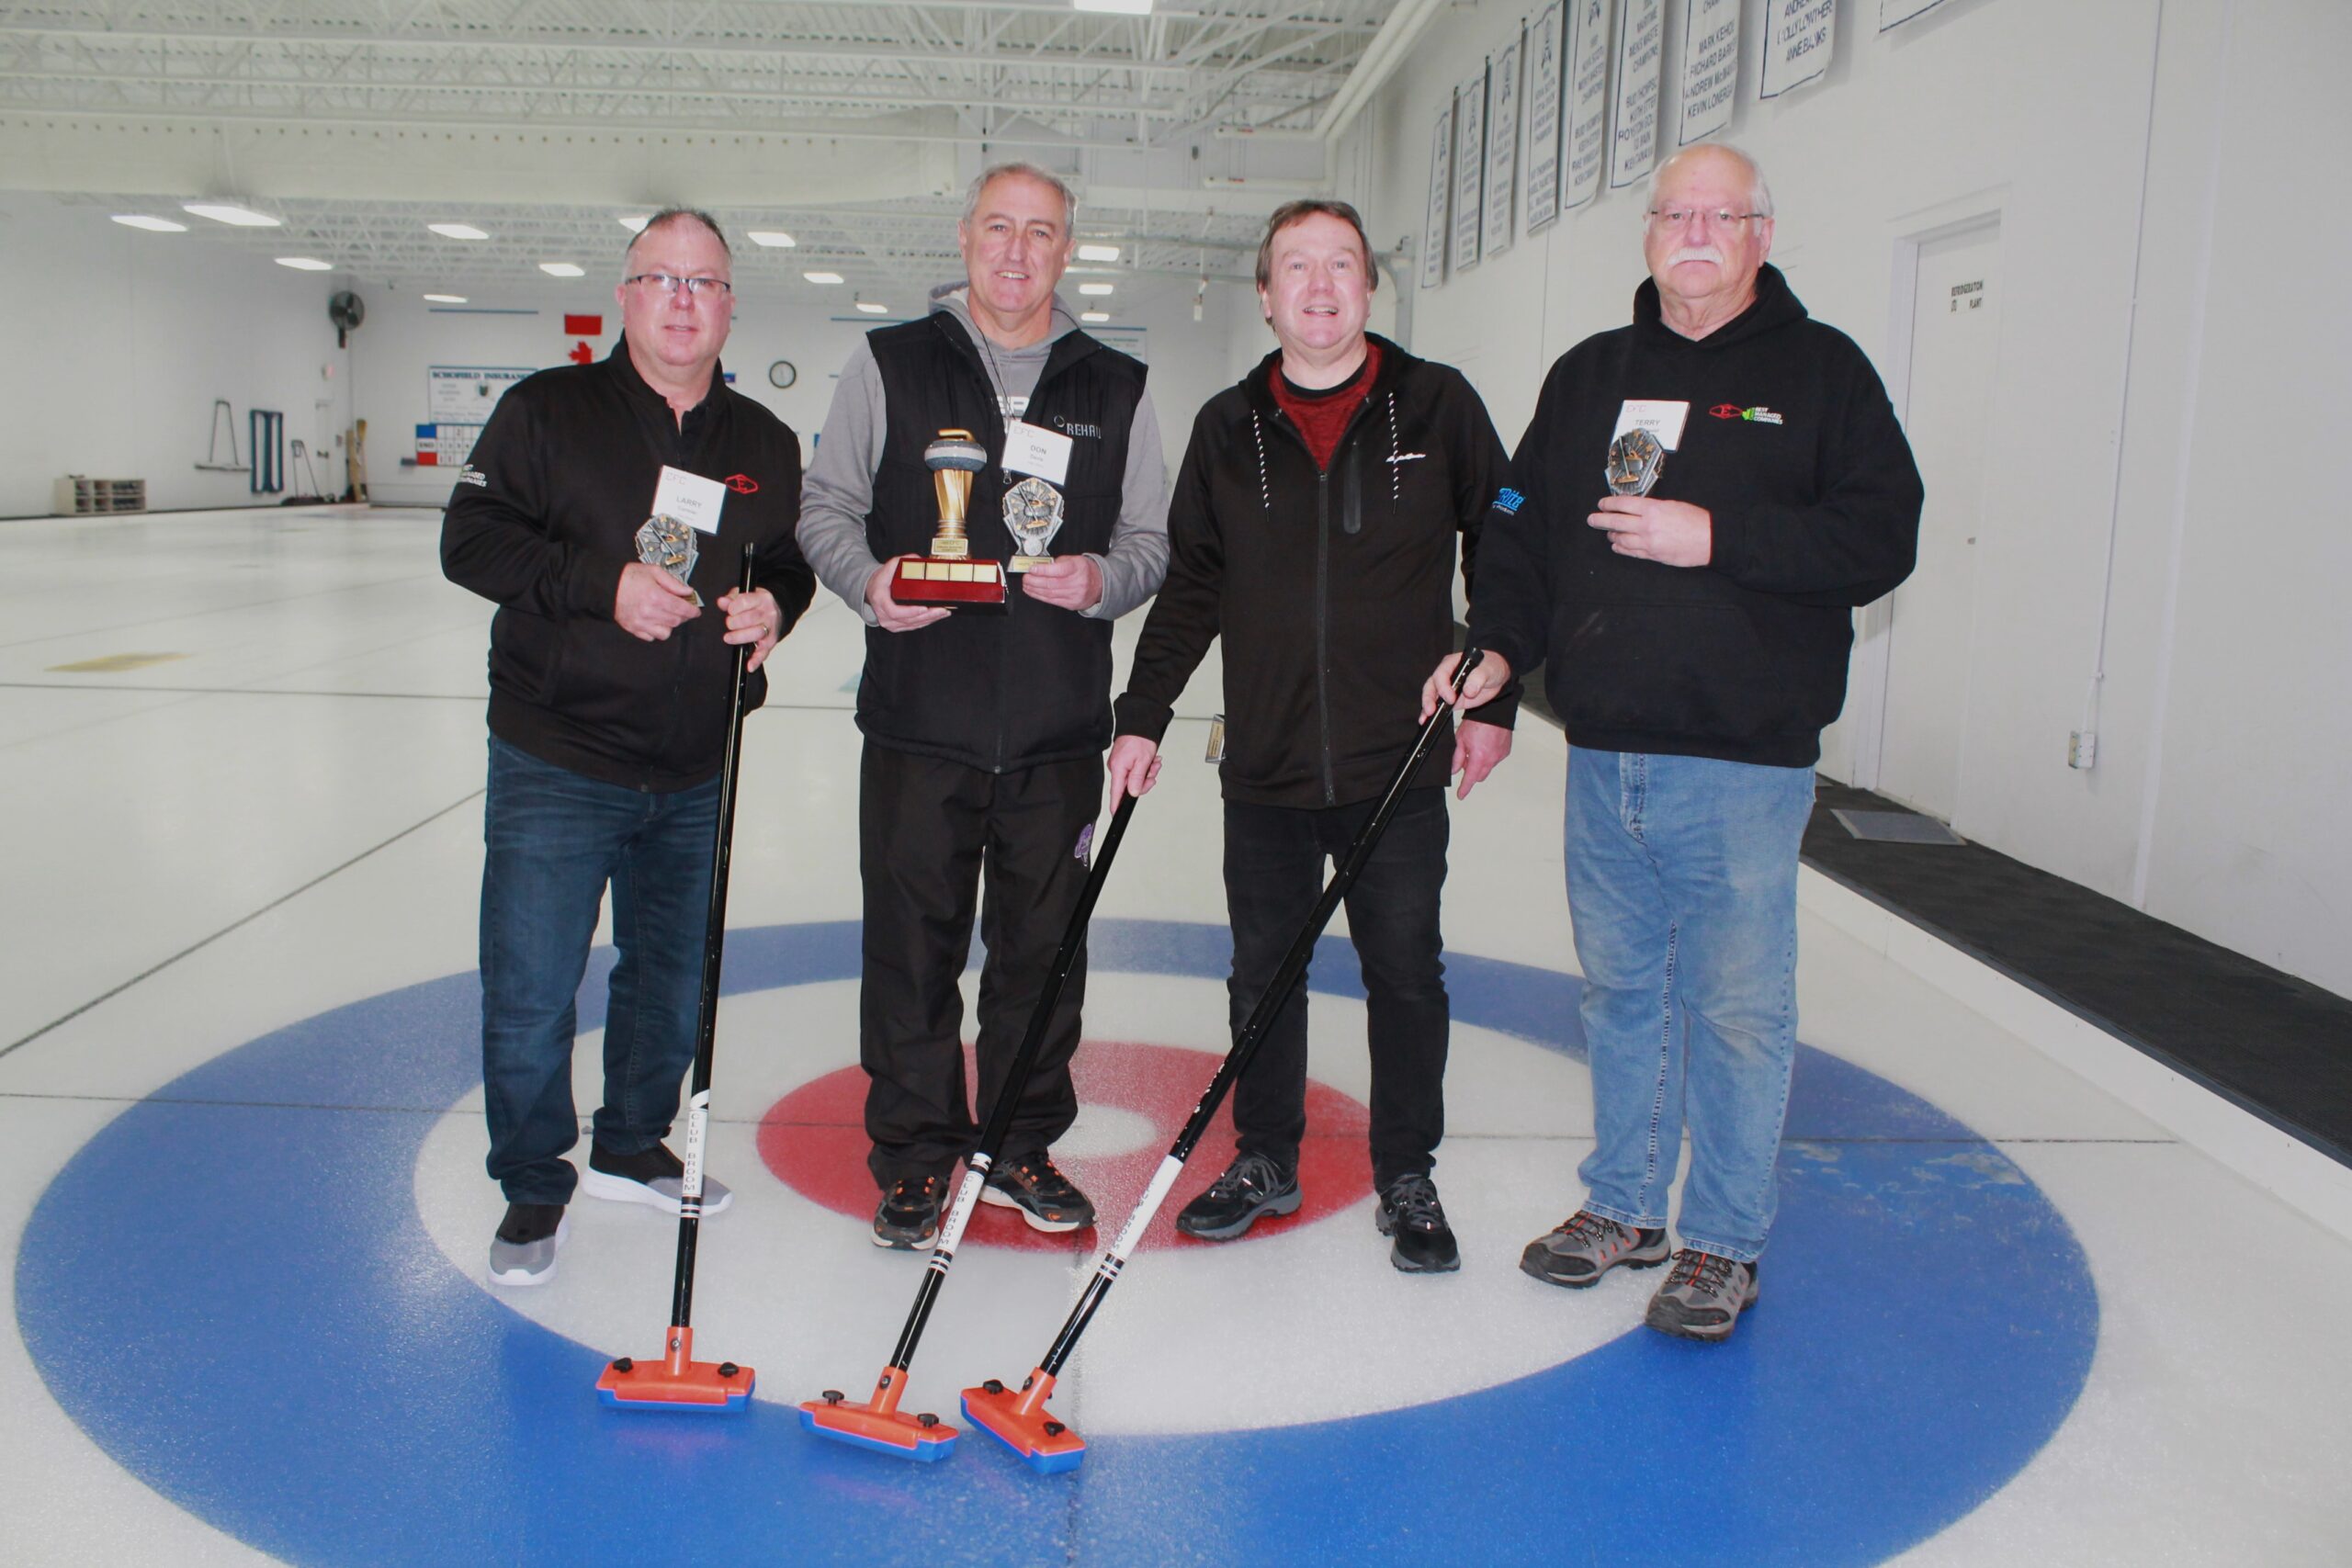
(666, 543)
(949, 578)
(1634, 459)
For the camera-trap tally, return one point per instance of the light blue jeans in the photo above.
(1682, 884)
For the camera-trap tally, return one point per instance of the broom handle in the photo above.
(1253, 1033)
(682, 1298)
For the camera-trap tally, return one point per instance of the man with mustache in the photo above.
(984, 733)
(1753, 489)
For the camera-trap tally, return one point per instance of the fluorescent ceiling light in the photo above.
(1094, 315)
(562, 269)
(774, 239)
(306, 264)
(156, 225)
(1098, 289)
(229, 212)
(458, 231)
(871, 309)
(823, 277)
(1117, 7)
(637, 225)
(446, 298)
(1098, 252)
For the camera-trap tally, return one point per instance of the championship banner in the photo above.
(1895, 13)
(1587, 139)
(464, 394)
(1502, 144)
(1543, 38)
(1799, 38)
(1469, 170)
(1641, 62)
(1709, 67)
(1433, 228)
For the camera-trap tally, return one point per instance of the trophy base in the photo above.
(945, 584)
(1025, 563)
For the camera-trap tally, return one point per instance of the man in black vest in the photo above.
(984, 733)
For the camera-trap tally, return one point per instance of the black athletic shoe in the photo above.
(523, 1252)
(907, 1216)
(1253, 1185)
(1047, 1199)
(1411, 1215)
(656, 1177)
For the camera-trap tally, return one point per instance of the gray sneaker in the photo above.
(1584, 1247)
(656, 1178)
(1702, 1297)
(523, 1252)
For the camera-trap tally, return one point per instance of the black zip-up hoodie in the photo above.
(544, 518)
(1333, 589)
(1792, 447)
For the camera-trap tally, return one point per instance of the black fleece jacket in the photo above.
(544, 518)
(1792, 449)
(1333, 589)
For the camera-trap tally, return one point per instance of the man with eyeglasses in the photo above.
(1698, 505)
(984, 732)
(610, 665)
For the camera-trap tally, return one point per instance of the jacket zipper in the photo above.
(1346, 449)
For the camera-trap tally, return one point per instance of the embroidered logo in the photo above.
(470, 475)
(742, 484)
(1071, 427)
(1407, 457)
(1509, 501)
(1757, 415)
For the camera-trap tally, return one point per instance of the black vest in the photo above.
(1033, 684)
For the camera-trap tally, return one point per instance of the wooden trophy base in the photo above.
(947, 583)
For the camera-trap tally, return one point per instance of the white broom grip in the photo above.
(1171, 1168)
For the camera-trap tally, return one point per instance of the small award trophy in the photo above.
(1634, 459)
(1033, 515)
(669, 544)
(949, 578)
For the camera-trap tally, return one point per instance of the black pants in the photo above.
(1273, 872)
(929, 831)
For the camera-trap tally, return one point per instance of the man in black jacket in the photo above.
(984, 733)
(1754, 488)
(1313, 527)
(608, 716)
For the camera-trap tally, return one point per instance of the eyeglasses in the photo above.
(1675, 218)
(699, 287)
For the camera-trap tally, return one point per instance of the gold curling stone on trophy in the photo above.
(949, 578)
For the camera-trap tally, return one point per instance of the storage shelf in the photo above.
(79, 496)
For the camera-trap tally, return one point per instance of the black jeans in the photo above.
(1273, 872)
(929, 829)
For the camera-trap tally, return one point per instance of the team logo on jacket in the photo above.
(742, 484)
(1754, 415)
(1085, 843)
(1508, 499)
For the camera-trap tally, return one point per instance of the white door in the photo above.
(1930, 620)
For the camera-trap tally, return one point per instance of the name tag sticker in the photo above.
(1032, 449)
(1661, 419)
(689, 497)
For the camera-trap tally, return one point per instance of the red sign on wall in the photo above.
(583, 326)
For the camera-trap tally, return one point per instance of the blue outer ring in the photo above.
(239, 1303)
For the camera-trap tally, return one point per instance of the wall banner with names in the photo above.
(1709, 67)
(1588, 143)
(1544, 117)
(1800, 36)
(1895, 13)
(1502, 144)
(1641, 62)
(464, 394)
(1434, 233)
(1469, 169)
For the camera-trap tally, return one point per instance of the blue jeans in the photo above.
(1682, 880)
(552, 839)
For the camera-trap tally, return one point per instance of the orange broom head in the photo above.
(877, 1424)
(1018, 1418)
(677, 1381)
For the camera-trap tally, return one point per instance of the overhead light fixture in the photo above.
(306, 264)
(459, 232)
(1115, 7)
(229, 212)
(871, 309)
(153, 225)
(774, 239)
(1098, 252)
(823, 277)
(446, 298)
(1093, 316)
(562, 269)
(1097, 289)
(637, 225)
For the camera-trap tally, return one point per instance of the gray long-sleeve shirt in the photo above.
(837, 495)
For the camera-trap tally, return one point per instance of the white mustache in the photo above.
(1696, 253)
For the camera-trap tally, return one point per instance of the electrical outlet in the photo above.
(2081, 748)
